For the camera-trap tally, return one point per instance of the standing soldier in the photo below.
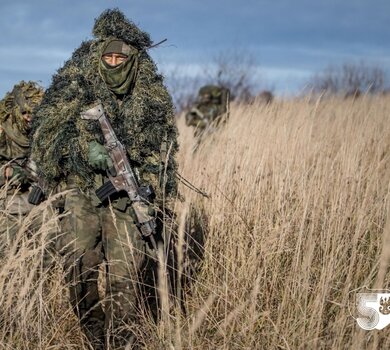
(112, 70)
(15, 125)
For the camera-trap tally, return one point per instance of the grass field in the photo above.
(297, 222)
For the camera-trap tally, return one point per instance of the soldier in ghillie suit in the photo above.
(15, 168)
(211, 106)
(113, 69)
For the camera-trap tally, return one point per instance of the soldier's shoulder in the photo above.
(5, 108)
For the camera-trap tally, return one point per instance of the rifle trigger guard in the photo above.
(112, 145)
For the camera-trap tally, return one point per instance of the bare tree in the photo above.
(235, 70)
(183, 86)
(350, 79)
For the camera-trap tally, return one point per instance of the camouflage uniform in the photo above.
(212, 103)
(14, 151)
(141, 113)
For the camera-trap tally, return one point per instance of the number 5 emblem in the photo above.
(374, 310)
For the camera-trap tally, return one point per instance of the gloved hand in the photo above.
(147, 210)
(98, 157)
(16, 174)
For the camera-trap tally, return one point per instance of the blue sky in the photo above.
(290, 39)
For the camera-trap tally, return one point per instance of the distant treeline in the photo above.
(240, 74)
(349, 79)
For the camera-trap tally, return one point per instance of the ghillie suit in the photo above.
(211, 106)
(65, 147)
(15, 111)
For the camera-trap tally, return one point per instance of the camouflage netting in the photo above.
(142, 122)
(112, 23)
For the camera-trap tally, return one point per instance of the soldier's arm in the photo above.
(12, 171)
(2, 137)
(192, 117)
(2, 173)
(3, 159)
(196, 118)
(158, 170)
(4, 149)
(225, 97)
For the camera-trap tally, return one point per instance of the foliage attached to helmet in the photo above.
(18, 105)
(211, 94)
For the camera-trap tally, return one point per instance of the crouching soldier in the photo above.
(17, 172)
(211, 106)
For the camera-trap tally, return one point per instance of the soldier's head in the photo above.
(208, 93)
(21, 101)
(115, 52)
(123, 44)
(118, 65)
(205, 98)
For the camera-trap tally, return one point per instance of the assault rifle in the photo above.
(122, 177)
(29, 168)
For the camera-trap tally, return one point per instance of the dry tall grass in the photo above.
(296, 225)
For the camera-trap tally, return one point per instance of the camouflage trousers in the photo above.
(91, 235)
